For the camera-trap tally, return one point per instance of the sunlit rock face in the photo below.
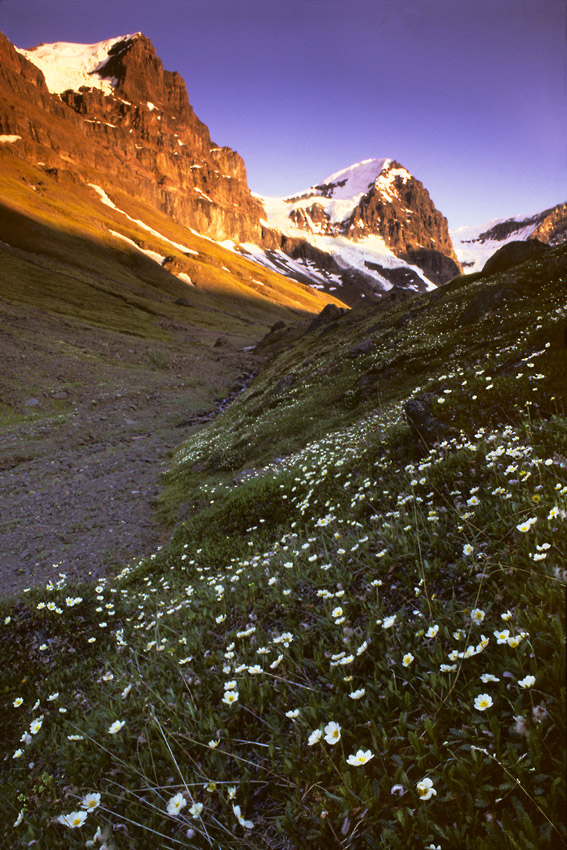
(112, 108)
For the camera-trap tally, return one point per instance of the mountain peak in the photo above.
(354, 180)
(66, 65)
(126, 66)
(109, 113)
(377, 205)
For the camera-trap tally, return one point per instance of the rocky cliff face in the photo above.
(552, 226)
(395, 206)
(110, 114)
(131, 125)
(549, 226)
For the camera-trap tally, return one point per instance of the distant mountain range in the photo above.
(108, 115)
(474, 245)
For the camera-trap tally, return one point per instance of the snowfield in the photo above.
(66, 65)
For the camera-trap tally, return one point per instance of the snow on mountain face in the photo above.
(375, 221)
(337, 195)
(474, 245)
(350, 271)
(354, 180)
(69, 66)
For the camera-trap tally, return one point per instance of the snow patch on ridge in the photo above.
(106, 200)
(153, 255)
(66, 65)
(356, 179)
(386, 182)
(295, 269)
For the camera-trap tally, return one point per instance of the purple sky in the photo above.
(469, 95)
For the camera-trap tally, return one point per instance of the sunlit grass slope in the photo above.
(360, 642)
(70, 223)
(65, 273)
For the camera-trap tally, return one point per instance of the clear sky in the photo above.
(469, 95)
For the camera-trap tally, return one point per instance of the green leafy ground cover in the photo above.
(360, 643)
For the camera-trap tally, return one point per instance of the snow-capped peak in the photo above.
(66, 65)
(323, 216)
(338, 195)
(355, 180)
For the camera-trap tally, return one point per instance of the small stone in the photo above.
(364, 347)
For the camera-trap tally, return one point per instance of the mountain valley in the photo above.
(284, 503)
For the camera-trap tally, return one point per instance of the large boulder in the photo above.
(425, 427)
(364, 347)
(329, 313)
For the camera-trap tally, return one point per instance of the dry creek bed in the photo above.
(76, 491)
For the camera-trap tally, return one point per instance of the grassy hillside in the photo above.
(355, 637)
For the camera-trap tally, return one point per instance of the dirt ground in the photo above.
(77, 486)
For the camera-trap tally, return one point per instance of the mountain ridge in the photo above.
(161, 152)
(112, 106)
(476, 243)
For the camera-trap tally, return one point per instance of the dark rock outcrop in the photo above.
(284, 384)
(364, 347)
(329, 313)
(437, 266)
(513, 254)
